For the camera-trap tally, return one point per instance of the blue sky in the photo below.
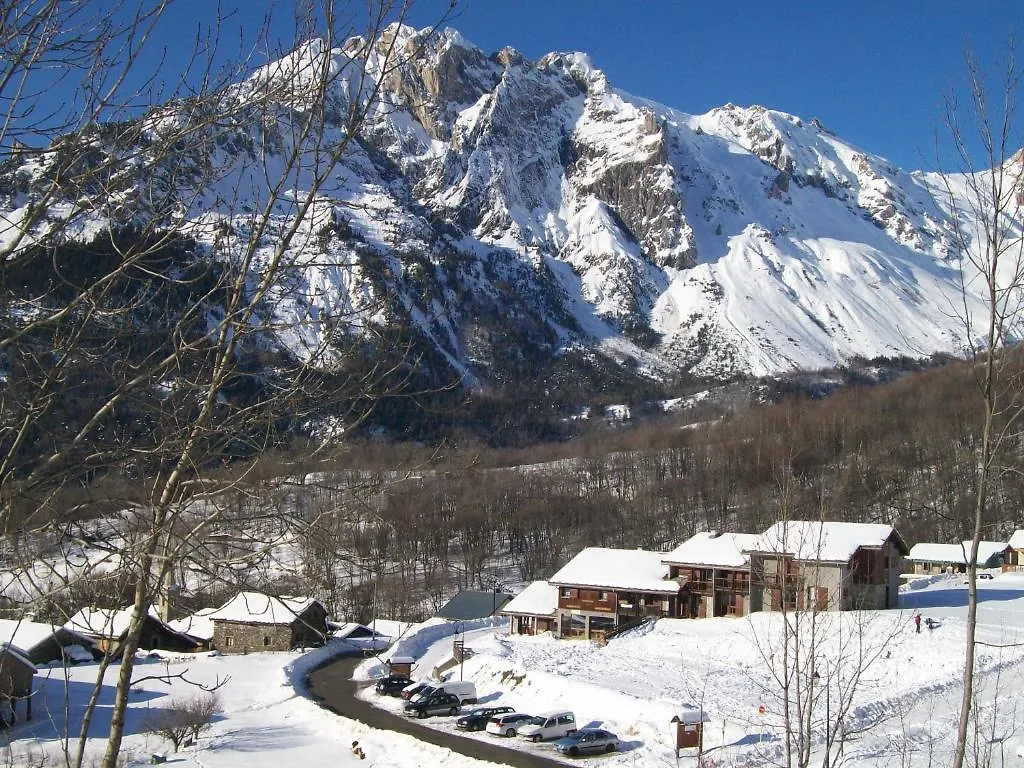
(874, 72)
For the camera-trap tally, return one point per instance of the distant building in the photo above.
(601, 589)
(45, 643)
(813, 565)
(926, 557)
(251, 622)
(469, 605)
(107, 628)
(1016, 544)
(713, 572)
(16, 675)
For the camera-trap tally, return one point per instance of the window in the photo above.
(230, 641)
(600, 595)
(566, 592)
(565, 719)
(266, 638)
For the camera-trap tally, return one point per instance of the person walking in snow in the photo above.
(917, 622)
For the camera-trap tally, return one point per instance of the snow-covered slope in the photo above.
(493, 206)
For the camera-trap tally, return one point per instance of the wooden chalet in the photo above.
(713, 573)
(251, 622)
(1015, 560)
(16, 675)
(46, 643)
(107, 628)
(812, 565)
(601, 589)
(533, 610)
(929, 558)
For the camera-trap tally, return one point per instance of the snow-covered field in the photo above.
(903, 712)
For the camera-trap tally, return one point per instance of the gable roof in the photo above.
(817, 541)
(629, 569)
(928, 552)
(724, 550)
(104, 622)
(28, 634)
(16, 653)
(540, 598)
(1017, 539)
(473, 605)
(198, 625)
(257, 608)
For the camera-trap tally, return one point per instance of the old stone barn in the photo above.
(251, 622)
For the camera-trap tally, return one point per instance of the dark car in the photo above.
(392, 686)
(587, 742)
(414, 689)
(477, 719)
(434, 704)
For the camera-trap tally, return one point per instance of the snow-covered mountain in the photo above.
(498, 209)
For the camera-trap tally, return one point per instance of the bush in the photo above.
(183, 719)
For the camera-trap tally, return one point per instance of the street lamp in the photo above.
(460, 644)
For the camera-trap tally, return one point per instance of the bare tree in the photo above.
(986, 199)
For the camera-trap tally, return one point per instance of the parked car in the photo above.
(414, 689)
(507, 725)
(477, 719)
(589, 741)
(434, 704)
(392, 685)
(550, 725)
(984, 575)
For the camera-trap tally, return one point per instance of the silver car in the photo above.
(588, 741)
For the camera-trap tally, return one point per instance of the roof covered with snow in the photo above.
(724, 550)
(257, 608)
(28, 634)
(198, 625)
(822, 541)
(103, 622)
(1017, 539)
(927, 552)
(632, 569)
(540, 598)
(15, 652)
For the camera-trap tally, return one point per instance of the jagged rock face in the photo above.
(490, 201)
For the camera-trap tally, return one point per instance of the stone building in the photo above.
(251, 622)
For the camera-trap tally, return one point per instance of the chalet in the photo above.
(45, 643)
(1016, 544)
(16, 674)
(601, 589)
(106, 628)
(251, 621)
(808, 565)
(926, 557)
(533, 610)
(713, 573)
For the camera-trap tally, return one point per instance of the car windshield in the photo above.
(538, 720)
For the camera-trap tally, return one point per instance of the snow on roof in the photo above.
(257, 608)
(691, 716)
(632, 569)
(28, 634)
(928, 552)
(1017, 540)
(198, 625)
(821, 541)
(17, 653)
(401, 660)
(540, 598)
(708, 548)
(103, 622)
(350, 627)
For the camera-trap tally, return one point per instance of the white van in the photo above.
(549, 725)
(464, 689)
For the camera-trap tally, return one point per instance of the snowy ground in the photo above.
(902, 714)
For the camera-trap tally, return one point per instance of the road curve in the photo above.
(332, 686)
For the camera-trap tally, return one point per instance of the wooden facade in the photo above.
(16, 675)
(711, 591)
(591, 612)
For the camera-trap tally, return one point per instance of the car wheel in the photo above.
(510, 732)
(574, 752)
(609, 748)
(421, 714)
(453, 711)
(535, 739)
